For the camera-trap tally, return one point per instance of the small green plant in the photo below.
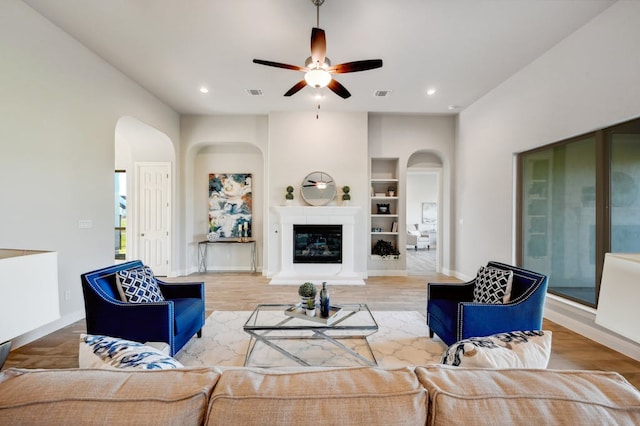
(311, 303)
(289, 194)
(345, 192)
(385, 248)
(307, 289)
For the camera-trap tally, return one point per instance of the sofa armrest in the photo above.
(451, 291)
(181, 290)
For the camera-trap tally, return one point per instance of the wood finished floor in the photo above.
(242, 291)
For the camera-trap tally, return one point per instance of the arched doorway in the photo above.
(423, 213)
(144, 159)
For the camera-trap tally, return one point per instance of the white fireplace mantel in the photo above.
(333, 273)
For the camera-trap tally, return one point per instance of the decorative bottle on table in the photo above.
(324, 301)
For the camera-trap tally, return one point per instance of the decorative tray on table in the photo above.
(298, 311)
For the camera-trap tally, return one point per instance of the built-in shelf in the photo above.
(384, 203)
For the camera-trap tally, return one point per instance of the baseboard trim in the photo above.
(581, 319)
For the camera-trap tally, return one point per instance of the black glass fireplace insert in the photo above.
(317, 243)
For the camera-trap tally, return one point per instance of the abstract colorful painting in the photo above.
(230, 204)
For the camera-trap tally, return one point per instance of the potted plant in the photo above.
(311, 307)
(391, 191)
(289, 195)
(307, 292)
(346, 197)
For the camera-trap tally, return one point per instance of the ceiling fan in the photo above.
(317, 68)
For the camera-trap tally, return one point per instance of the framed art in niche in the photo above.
(230, 204)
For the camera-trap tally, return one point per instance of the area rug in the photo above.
(402, 340)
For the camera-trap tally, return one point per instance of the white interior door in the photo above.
(154, 212)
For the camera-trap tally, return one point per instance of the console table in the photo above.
(202, 251)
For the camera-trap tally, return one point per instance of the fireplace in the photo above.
(349, 270)
(317, 243)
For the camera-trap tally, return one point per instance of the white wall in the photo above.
(58, 112)
(220, 144)
(422, 187)
(400, 136)
(335, 143)
(588, 81)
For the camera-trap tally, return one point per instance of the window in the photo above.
(578, 199)
(120, 214)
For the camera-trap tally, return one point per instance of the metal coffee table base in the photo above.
(274, 324)
(318, 334)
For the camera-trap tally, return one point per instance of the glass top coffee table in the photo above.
(312, 340)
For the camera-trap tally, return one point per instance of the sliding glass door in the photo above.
(577, 200)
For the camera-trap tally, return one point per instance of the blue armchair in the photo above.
(453, 316)
(173, 321)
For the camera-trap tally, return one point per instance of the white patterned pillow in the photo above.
(112, 353)
(138, 286)
(517, 349)
(492, 286)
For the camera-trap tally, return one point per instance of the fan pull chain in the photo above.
(318, 112)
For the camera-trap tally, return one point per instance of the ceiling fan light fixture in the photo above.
(308, 63)
(317, 77)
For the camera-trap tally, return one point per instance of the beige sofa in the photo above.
(432, 395)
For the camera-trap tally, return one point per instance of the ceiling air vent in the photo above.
(382, 93)
(254, 92)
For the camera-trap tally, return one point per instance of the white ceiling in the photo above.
(463, 48)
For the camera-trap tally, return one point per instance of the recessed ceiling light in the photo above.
(204, 90)
(431, 92)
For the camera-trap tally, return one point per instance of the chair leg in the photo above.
(431, 334)
(199, 333)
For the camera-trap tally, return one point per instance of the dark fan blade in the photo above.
(299, 85)
(338, 89)
(278, 65)
(355, 66)
(318, 45)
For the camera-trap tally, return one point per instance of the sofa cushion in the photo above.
(345, 396)
(112, 352)
(138, 286)
(523, 396)
(75, 396)
(516, 349)
(493, 285)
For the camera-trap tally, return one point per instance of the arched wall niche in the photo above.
(205, 158)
